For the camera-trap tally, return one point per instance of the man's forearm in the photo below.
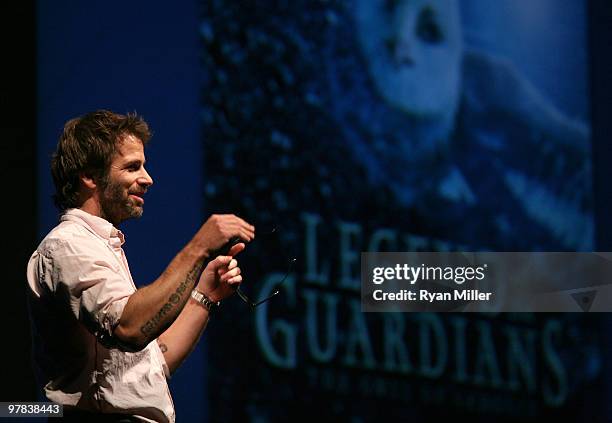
(179, 340)
(153, 308)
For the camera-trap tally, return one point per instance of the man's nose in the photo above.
(145, 178)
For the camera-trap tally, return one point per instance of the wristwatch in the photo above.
(206, 302)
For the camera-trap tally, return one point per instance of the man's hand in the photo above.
(153, 308)
(219, 229)
(221, 277)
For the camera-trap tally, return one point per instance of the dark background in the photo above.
(129, 60)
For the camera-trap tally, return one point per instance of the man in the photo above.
(104, 347)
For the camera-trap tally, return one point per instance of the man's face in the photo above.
(121, 197)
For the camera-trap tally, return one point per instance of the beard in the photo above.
(117, 205)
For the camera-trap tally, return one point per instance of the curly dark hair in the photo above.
(88, 144)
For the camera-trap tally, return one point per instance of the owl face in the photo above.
(413, 49)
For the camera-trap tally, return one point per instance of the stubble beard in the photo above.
(117, 206)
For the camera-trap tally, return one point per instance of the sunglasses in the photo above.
(277, 286)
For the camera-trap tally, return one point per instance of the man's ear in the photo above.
(88, 180)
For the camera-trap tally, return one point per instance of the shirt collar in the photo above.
(98, 225)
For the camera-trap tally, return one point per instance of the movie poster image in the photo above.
(338, 127)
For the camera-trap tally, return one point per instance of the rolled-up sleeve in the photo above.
(89, 276)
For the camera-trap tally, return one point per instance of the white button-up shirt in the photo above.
(79, 283)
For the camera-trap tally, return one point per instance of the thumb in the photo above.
(222, 261)
(236, 249)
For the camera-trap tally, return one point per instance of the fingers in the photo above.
(222, 261)
(221, 231)
(232, 226)
(246, 229)
(221, 277)
(243, 230)
(235, 281)
(233, 263)
(231, 274)
(236, 249)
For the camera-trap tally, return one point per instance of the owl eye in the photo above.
(428, 28)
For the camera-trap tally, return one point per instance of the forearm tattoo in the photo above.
(179, 297)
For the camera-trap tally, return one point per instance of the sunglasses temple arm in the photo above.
(242, 296)
(266, 299)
